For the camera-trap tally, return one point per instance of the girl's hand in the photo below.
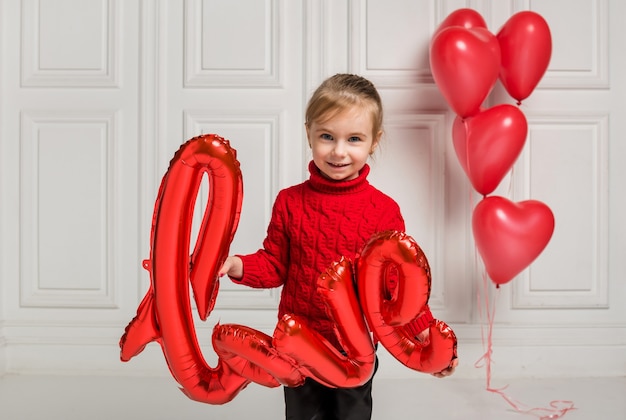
(447, 371)
(233, 267)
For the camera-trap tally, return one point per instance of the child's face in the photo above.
(342, 144)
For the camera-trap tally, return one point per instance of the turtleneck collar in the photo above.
(320, 183)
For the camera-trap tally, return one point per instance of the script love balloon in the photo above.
(165, 314)
(465, 18)
(313, 353)
(526, 47)
(251, 354)
(488, 144)
(510, 236)
(465, 64)
(387, 317)
(296, 350)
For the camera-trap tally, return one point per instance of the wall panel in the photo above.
(255, 137)
(69, 166)
(565, 166)
(67, 177)
(580, 58)
(409, 168)
(70, 43)
(232, 44)
(389, 40)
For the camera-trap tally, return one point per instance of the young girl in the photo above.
(313, 224)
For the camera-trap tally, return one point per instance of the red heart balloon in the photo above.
(509, 236)
(488, 144)
(526, 47)
(465, 64)
(466, 18)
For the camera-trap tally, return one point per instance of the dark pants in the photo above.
(314, 401)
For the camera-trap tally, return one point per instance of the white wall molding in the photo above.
(326, 40)
(3, 351)
(417, 135)
(257, 133)
(70, 66)
(532, 351)
(84, 141)
(152, 121)
(212, 66)
(376, 26)
(586, 65)
(578, 147)
(518, 351)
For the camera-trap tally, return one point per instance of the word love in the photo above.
(294, 351)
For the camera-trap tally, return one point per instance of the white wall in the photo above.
(97, 95)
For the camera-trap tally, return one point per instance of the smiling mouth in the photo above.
(338, 165)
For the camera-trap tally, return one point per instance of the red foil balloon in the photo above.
(396, 251)
(488, 144)
(465, 64)
(314, 354)
(526, 47)
(165, 315)
(295, 351)
(250, 353)
(509, 236)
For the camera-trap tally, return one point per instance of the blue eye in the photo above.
(354, 139)
(326, 136)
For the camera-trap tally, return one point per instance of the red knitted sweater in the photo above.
(314, 224)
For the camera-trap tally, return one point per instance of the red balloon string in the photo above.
(557, 409)
(487, 337)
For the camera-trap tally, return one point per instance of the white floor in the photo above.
(157, 398)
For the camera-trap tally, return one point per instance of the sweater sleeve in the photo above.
(391, 219)
(267, 268)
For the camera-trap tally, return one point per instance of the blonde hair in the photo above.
(343, 91)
